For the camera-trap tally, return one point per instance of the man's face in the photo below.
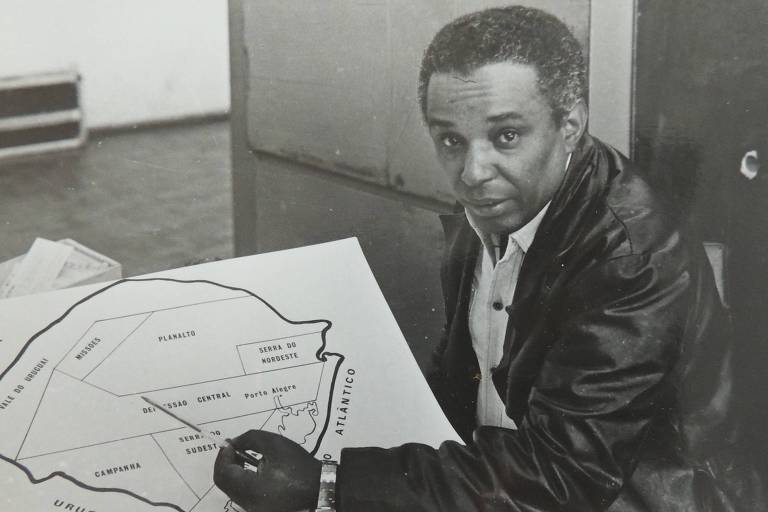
(498, 143)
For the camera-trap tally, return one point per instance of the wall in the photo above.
(611, 71)
(333, 83)
(140, 61)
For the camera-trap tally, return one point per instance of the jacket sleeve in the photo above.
(601, 384)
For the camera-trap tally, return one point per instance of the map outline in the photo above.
(321, 356)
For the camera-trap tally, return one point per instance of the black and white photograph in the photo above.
(383, 256)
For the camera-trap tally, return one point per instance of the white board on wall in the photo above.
(140, 61)
(332, 83)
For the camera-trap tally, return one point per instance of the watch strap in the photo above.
(326, 499)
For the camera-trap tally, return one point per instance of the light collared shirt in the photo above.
(493, 288)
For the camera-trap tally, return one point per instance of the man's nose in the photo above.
(478, 167)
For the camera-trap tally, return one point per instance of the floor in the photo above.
(152, 198)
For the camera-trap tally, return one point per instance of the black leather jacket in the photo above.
(616, 369)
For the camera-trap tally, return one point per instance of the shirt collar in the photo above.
(523, 237)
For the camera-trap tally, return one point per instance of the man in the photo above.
(586, 356)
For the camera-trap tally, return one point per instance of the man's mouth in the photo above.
(486, 207)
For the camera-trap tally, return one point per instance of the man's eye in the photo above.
(450, 141)
(507, 137)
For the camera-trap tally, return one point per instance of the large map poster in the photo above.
(298, 342)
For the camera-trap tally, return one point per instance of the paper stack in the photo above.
(52, 265)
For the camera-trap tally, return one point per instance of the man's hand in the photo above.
(288, 478)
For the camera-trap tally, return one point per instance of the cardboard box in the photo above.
(55, 265)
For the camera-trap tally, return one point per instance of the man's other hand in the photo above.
(287, 479)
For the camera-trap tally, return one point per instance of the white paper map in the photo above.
(298, 342)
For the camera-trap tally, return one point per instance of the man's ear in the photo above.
(574, 125)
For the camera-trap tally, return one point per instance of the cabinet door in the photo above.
(701, 105)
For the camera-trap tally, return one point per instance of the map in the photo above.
(78, 435)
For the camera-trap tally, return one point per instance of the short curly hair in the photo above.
(511, 34)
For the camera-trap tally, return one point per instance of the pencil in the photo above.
(252, 458)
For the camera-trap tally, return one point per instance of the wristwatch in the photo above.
(326, 500)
